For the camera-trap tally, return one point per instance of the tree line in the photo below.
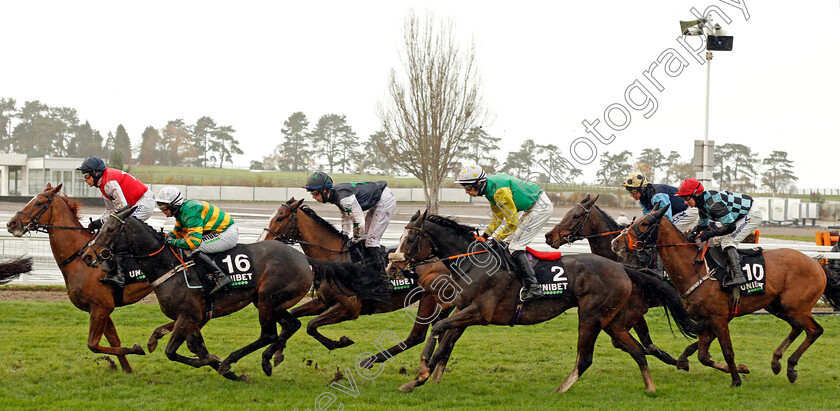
(37, 129)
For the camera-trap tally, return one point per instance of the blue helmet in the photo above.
(92, 164)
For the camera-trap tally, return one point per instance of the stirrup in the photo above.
(113, 279)
(735, 282)
(220, 283)
(529, 294)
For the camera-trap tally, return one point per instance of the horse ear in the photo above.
(423, 217)
(416, 215)
(585, 199)
(49, 186)
(589, 203)
(298, 203)
(661, 211)
(291, 200)
(125, 212)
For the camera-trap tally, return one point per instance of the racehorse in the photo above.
(587, 221)
(281, 276)
(58, 216)
(600, 288)
(794, 283)
(297, 223)
(11, 270)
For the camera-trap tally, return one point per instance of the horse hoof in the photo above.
(266, 366)
(152, 345)
(244, 378)
(792, 374)
(407, 387)
(345, 342)
(735, 383)
(682, 364)
(776, 367)
(742, 369)
(368, 362)
(278, 358)
(137, 349)
(224, 368)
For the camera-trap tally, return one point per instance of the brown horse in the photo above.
(600, 288)
(587, 221)
(794, 283)
(281, 277)
(11, 270)
(297, 223)
(57, 215)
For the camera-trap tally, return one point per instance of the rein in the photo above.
(291, 232)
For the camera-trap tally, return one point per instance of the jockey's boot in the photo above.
(525, 272)
(214, 273)
(734, 268)
(376, 256)
(115, 274)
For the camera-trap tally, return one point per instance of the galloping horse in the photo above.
(281, 277)
(11, 270)
(587, 221)
(297, 223)
(600, 288)
(58, 216)
(794, 283)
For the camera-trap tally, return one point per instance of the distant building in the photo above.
(24, 176)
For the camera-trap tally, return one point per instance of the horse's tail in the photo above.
(655, 289)
(832, 287)
(10, 271)
(351, 279)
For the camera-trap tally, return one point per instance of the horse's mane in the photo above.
(72, 204)
(451, 223)
(324, 223)
(611, 224)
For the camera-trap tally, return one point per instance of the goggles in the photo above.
(163, 206)
(87, 174)
(632, 190)
(686, 198)
(470, 187)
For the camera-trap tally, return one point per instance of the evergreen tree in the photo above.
(779, 174)
(295, 149)
(221, 142)
(327, 136)
(148, 142)
(122, 144)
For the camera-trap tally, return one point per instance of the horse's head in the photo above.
(642, 233)
(38, 211)
(414, 247)
(283, 224)
(575, 225)
(105, 244)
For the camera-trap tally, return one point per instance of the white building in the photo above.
(24, 176)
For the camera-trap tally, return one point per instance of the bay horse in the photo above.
(11, 270)
(57, 215)
(489, 292)
(794, 283)
(293, 223)
(281, 274)
(587, 221)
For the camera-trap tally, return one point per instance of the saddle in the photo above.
(717, 263)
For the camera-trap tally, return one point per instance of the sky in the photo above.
(546, 68)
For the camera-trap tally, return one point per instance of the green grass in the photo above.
(45, 364)
(807, 238)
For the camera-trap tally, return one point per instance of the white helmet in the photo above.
(169, 195)
(471, 175)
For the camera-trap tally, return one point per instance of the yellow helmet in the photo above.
(635, 180)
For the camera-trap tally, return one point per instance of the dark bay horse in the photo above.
(282, 277)
(600, 288)
(587, 221)
(11, 270)
(794, 283)
(297, 223)
(57, 215)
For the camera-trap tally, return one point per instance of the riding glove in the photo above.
(95, 225)
(696, 232)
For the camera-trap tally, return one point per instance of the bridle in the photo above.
(105, 249)
(639, 240)
(34, 225)
(573, 233)
(412, 259)
(290, 232)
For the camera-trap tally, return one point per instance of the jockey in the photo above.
(366, 209)
(508, 196)
(200, 228)
(735, 212)
(649, 195)
(119, 190)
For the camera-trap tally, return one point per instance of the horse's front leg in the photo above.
(721, 330)
(187, 330)
(643, 332)
(158, 333)
(340, 312)
(99, 320)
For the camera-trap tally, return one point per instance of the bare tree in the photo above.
(428, 112)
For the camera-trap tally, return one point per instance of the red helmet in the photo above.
(690, 187)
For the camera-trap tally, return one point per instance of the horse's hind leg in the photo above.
(158, 333)
(812, 332)
(682, 362)
(705, 357)
(441, 356)
(627, 343)
(288, 326)
(425, 312)
(184, 330)
(114, 341)
(587, 334)
(642, 331)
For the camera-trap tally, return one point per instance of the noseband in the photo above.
(573, 233)
(33, 224)
(636, 239)
(290, 232)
